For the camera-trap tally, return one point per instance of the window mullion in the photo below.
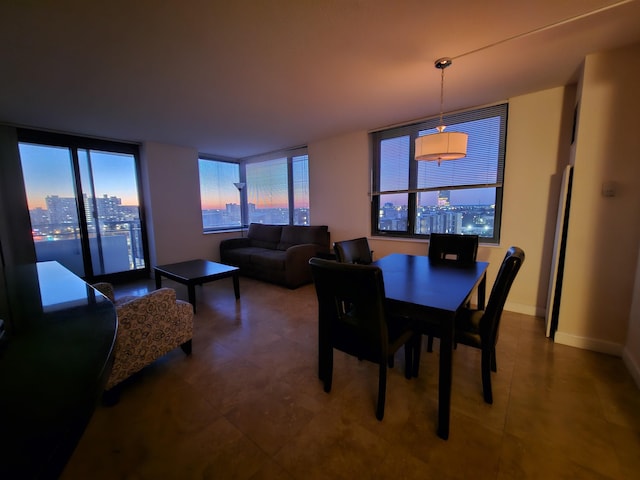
(413, 184)
(290, 189)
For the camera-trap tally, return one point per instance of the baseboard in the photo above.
(526, 309)
(586, 343)
(632, 365)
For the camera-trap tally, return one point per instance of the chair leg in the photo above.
(186, 347)
(430, 343)
(494, 365)
(417, 347)
(408, 358)
(486, 375)
(327, 371)
(382, 389)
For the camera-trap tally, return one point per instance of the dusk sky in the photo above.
(267, 184)
(47, 171)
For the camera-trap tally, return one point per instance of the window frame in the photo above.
(290, 155)
(223, 228)
(412, 131)
(75, 143)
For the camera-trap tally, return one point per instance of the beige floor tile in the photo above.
(248, 404)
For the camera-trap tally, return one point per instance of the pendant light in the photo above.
(442, 145)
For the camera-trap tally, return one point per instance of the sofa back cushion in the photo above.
(299, 234)
(264, 236)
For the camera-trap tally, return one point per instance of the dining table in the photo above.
(434, 292)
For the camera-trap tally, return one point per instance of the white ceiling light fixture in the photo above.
(442, 145)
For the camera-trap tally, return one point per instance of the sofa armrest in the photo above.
(298, 271)
(232, 243)
(302, 252)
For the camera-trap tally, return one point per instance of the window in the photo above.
(276, 191)
(84, 204)
(415, 198)
(300, 171)
(219, 197)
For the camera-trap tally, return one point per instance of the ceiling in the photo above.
(238, 78)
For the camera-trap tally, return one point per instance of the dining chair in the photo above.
(352, 318)
(479, 328)
(451, 248)
(353, 251)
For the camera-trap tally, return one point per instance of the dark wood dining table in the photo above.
(434, 292)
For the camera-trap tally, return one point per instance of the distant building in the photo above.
(61, 210)
(444, 198)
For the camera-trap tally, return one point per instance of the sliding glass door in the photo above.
(84, 205)
(111, 211)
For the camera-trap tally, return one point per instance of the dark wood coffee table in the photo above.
(197, 272)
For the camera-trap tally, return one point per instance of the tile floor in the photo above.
(248, 405)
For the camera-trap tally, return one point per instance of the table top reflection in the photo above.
(438, 286)
(53, 367)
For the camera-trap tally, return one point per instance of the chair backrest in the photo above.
(353, 251)
(450, 247)
(490, 322)
(351, 308)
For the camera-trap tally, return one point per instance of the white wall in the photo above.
(172, 200)
(339, 185)
(604, 232)
(538, 142)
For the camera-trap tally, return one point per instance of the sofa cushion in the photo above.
(298, 234)
(264, 236)
(241, 256)
(269, 260)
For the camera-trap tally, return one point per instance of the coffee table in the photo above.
(197, 272)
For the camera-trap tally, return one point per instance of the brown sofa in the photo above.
(277, 253)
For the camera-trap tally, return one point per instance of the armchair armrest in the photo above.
(106, 289)
(156, 320)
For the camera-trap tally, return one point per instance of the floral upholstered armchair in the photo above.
(149, 326)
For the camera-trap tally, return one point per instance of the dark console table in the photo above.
(54, 363)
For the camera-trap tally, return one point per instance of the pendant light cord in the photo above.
(441, 95)
(546, 27)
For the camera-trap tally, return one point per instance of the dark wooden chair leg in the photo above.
(382, 390)
(186, 347)
(486, 375)
(494, 365)
(408, 358)
(430, 343)
(328, 371)
(417, 347)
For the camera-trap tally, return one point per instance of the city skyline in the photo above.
(47, 171)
